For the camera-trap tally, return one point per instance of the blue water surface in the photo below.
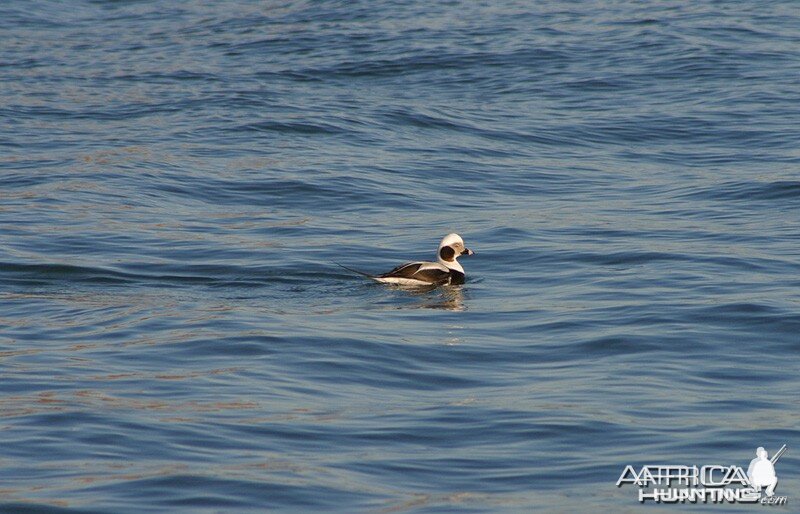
(178, 180)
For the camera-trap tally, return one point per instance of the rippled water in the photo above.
(177, 181)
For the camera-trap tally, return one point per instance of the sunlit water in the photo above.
(177, 181)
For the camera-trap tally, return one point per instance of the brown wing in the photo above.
(412, 271)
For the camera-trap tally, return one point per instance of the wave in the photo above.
(162, 275)
(751, 190)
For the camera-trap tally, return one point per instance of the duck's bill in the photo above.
(467, 251)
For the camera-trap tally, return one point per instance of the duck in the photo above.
(445, 271)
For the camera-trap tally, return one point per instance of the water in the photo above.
(177, 181)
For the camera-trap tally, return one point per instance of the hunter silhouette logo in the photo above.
(761, 471)
(708, 484)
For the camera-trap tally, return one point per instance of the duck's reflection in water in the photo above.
(450, 298)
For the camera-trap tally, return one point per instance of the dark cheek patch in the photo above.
(447, 253)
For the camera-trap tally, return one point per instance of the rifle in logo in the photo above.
(778, 455)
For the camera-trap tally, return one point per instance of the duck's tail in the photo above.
(355, 271)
